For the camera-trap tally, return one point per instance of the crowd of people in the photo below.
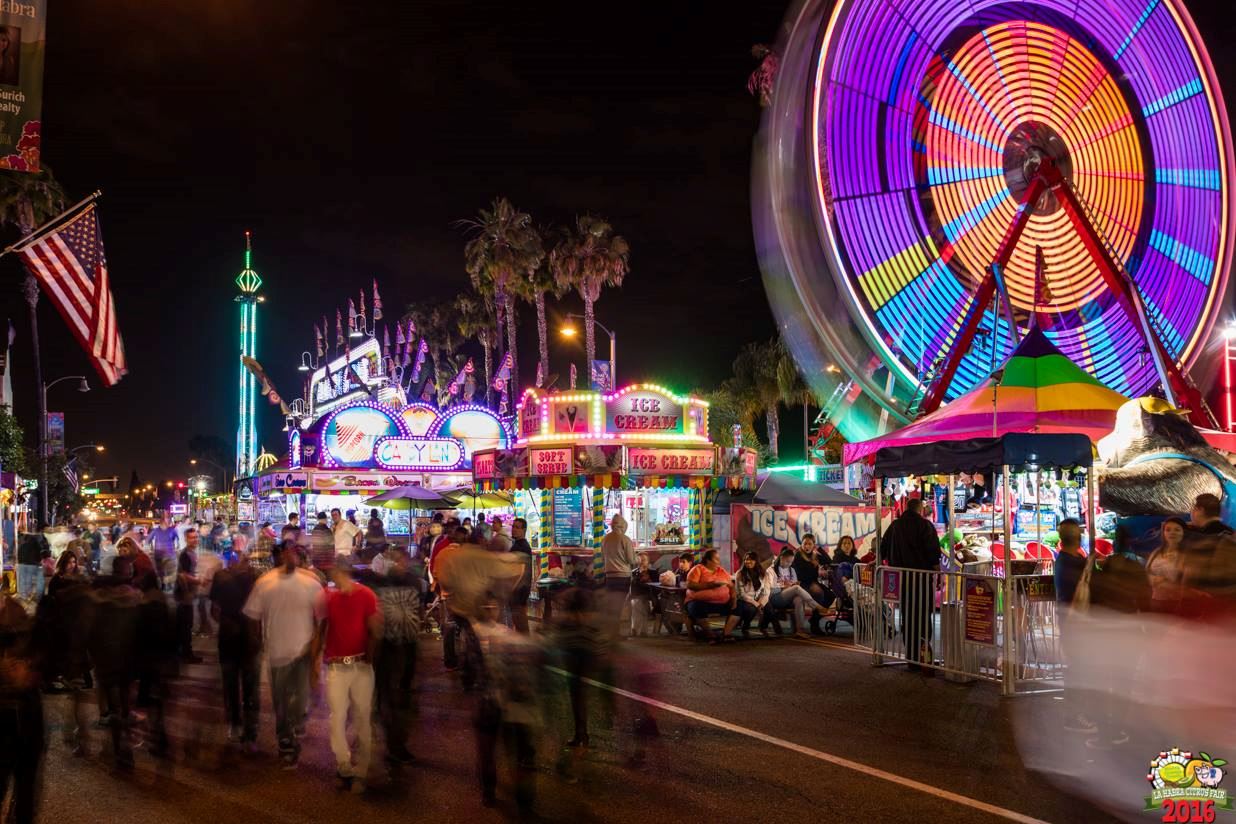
(333, 604)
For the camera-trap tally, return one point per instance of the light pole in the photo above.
(222, 471)
(43, 456)
(571, 331)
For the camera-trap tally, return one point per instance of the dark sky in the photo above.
(350, 138)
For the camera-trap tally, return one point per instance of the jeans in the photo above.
(350, 686)
(241, 675)
(289, 689)
(29, 581)
(918, 599)
(396, 668)
(797, 598)
(746, 612)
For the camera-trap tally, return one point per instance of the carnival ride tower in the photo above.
(246, 427)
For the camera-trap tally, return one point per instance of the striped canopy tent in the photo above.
(1038, 390)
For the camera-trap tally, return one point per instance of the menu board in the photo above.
(568, 517)
(980, 612)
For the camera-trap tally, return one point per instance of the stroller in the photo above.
(844, 605)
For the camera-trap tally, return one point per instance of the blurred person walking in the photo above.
(399, 599)
(282, 608)
(239, 661)
(185, 594)
(163, 541)
(346, 533)
(506, 704)
(499, 541)
(911, 543)
(113, 651)
(351, 630)
(22, 742)
(30, 548)
(62, 617)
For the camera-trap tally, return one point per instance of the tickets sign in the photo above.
(554, 461)
(645, 461)
(418, 453)
(644, 411)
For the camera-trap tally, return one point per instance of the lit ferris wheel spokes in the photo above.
(1007, 91)
(926, 120)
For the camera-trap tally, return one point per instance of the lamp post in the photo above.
(571, 331)
(222, 471)
(43, 456)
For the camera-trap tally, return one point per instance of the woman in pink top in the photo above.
(710, 591)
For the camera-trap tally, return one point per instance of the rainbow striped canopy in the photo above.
(1041, 390)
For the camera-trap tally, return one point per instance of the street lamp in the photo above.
(222, 471)
(570, 332)
(43, 456)
(97, 447)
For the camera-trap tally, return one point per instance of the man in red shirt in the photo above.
(351, 627)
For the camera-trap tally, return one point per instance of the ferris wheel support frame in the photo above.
(1047, 177)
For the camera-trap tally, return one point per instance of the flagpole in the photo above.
(55, 221)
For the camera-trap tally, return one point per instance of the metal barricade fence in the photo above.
(955, 622)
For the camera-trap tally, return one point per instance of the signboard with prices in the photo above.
(569, 517)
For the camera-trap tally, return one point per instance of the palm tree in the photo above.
(541, 282)
(793, 389)
(755, 384)
(476, 321)
(27, 200)
(504, 250)
(588, 259)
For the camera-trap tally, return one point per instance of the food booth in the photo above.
(582, 457)
(366, 447)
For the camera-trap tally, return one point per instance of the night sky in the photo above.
(351, 143)
(350, 138)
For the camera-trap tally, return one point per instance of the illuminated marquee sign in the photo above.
(418, 453)
(553, 461)
(331, 385)
(641, 461)
(644, 410)
(530, 416)
(347, 481)
(351, 433)
(283, 481)
(485, 464)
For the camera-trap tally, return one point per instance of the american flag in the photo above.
(72, 268)
(70, 474)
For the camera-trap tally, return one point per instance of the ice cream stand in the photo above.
(581, 457)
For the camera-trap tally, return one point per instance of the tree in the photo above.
(541, 282)
(12, 444)
(477, 321)
(756, 386)
(587, 259)
(504, 250)
(27, 200)
(793, 389)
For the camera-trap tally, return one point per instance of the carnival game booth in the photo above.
(366, 447)
(582, 457)
(1037, 391)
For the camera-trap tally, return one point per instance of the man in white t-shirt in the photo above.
(346, 533)
(283, 603)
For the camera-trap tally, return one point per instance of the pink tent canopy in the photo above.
(1040, 390)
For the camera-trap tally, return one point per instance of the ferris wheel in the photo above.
(933, 177)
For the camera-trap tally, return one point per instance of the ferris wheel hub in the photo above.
(1027, 147)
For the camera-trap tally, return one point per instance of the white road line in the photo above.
(828, 758)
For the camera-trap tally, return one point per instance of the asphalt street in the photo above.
(755, 731)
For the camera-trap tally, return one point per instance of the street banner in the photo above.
(55, 433)
(22, 45)
(600, 377)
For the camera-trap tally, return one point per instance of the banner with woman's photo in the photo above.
(23, 26)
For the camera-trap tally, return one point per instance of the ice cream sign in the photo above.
(642, 461)
(418, 453)
(643, 410)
